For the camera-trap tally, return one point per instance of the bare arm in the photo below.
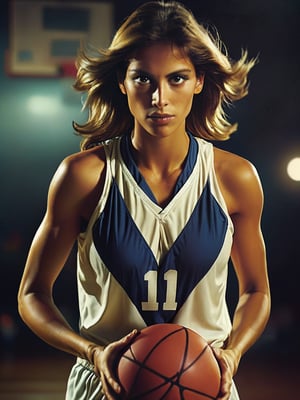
(48, 253)
(244, 197)
(249, 260)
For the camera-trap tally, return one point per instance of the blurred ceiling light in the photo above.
(293, 169)
(43, 105)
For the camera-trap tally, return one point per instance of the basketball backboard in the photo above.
(44, 35)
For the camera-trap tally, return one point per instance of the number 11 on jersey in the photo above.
(170, 303)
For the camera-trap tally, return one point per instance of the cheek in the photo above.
(184, 100)
(137, 100)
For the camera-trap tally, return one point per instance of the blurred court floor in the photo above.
(36, 378)
(44, 375)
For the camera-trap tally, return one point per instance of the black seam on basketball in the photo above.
(141, 364)
(149, 391)
(183, 388)
(183, 361)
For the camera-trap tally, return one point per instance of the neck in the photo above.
(161, 155)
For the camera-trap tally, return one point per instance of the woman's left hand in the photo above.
(228, 361)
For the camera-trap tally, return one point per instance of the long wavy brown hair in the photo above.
(100, 72)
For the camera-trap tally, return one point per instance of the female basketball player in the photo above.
(157, 209)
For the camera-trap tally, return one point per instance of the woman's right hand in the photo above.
(104, 359)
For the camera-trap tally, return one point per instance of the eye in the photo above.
(142, 79)
(178, 79)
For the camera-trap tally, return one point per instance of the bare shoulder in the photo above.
(85, 164)
(238, 179)
(230, 166)
(78, 181)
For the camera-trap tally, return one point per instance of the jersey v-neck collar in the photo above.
(127, 149)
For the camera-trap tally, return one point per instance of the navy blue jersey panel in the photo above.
(189, 164)
(122, 247)
(126, 149)
(197, 247)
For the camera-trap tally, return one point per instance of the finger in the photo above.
(128, 338)
(109, 388)
(226, 378)
(109, 382)
(217, 352)
(225, 390)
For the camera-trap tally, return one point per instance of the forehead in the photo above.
(161, 56)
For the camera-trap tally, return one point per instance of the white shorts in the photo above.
(83, 384)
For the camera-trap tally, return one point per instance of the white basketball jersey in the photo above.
(141, 264)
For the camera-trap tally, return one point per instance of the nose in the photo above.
(159, 96)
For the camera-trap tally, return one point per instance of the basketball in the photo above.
(168, 362)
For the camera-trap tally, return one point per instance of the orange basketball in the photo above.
(169, 362)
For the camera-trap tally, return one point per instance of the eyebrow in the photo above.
(180, 71)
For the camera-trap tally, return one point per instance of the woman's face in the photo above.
(160, 84)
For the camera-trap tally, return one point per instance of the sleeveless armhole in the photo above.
(217, 190)
(108, 149)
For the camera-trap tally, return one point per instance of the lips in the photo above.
(161, 119)
(160, 116)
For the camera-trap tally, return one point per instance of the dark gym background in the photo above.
(31, 147)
